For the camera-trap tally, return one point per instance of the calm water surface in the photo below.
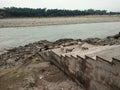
(13, 37)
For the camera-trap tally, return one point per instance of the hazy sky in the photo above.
(111, 5)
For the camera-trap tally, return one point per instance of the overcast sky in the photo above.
(110, 5)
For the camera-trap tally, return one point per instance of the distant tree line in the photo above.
(29, 12)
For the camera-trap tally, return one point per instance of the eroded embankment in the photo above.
(24, 55)
(23, 69)
(22, 52)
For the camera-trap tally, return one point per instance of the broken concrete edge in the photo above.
(70, 66)
(61, 65)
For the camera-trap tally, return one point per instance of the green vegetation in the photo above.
(29, 12)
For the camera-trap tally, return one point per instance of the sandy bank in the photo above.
(26, 22)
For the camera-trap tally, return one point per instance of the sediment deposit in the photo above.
(27, 22)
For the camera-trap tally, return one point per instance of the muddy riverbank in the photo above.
(23, 52)
(22, 68)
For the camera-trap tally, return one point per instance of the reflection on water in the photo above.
(11, 37)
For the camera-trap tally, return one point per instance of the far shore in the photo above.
(28, 22)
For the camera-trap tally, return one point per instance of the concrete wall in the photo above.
(93, 74)
(102, 75)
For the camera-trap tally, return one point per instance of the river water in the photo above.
(13, 37)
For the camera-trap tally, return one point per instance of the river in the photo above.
(13, 37)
